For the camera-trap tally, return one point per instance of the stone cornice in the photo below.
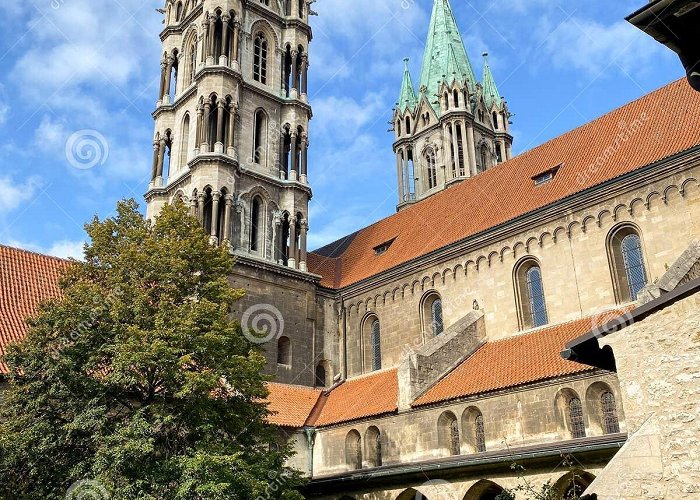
(246, 260)
(163, 108)
(184, 24)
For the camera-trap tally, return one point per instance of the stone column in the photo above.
(193, 207)
(399, 175)
(168, 76)
(236, 39)
(219, 146)
(294, 173)
(205, 127)
(291, 260)
(241, 223)
(230, 141)
(302, 245)
(465, 148)
(223, 59)
(471, 148)
(295, 74)
(276, 223)
(161, 161)
(227, 220)
(283, 163)
(304, 74)
(215, 196)
(205, 41)
(161, 92)
(304, 158)
(212, 34)
(198, 141)
(201, 198)
(455, 149)
(156, 156)
(283, 74)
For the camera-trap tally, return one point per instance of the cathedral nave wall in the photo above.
(571, 251)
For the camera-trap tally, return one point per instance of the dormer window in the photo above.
(546, 176)
(383, 248)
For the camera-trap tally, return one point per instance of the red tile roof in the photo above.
(291, 405)
(515, 361)
(26, 279)
(647, 130)
(367, 396)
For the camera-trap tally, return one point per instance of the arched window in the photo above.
(353, 450)
(259, 137)
(576, 425)
(626, 263)
(398, 126)
(431, 312)
(260, 58)
(284, 351)
(455, 98)
(530, 295)
(320, 375)
(373, 442)
(460, 149)
(479, 433)
(483, 158)
(432, 170)
(611, 425)
(256, 229)
(448, 433)
(178, 12)
(408, 124)
(495, 120)
(473, 429)
(192, 61)
(376, 346)
(184, 142)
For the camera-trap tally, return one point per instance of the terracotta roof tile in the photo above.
(26, 279)
(367, 396)
(291, 405)
(515, 361)
(647, 130)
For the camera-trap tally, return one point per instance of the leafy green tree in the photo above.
(137, 382)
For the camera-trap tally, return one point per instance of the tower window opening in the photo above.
(255, 224)
(260, 129)
(577, 427)
(432, 170)
(455, 98)
(611, 425)
(408, 124)
(495, 120)
(460, 149)
(260, 58)
(452, 149)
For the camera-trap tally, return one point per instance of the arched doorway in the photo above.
(572, 484)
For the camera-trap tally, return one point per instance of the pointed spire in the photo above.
(407, 99)
(445, 54)
(491, 94)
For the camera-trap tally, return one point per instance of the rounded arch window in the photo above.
(257, 211)
(473, 429)
(284, 351)
(372, 340)
(627, 264)
(570, 414)
(259, 137)
(433, 323)
(373, 442)
(431, 168)
(448, 433)
(530, 296)
(260, 47)
(601, 407)
(353, 450)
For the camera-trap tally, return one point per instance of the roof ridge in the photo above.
(33, 252)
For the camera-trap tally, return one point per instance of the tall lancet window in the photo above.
(530, 294)
(431, 168)
(260, 58)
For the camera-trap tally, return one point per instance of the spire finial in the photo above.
(486, 55)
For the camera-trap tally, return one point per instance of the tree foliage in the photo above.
(137, 381)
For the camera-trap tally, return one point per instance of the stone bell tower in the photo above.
(232, 117)
(455, 127)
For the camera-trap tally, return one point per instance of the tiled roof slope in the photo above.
(666, 122)
(26, 279)
(514, 361)
(291, 405)
(367, 396)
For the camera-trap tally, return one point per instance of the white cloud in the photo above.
(13, 194)
(594, 48)
(63, 248)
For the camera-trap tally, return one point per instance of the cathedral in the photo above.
(537, 310)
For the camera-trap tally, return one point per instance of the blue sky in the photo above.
(72, 65)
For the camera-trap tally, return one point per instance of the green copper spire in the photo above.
(491, 94)
(407, 99)
(445, 54)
